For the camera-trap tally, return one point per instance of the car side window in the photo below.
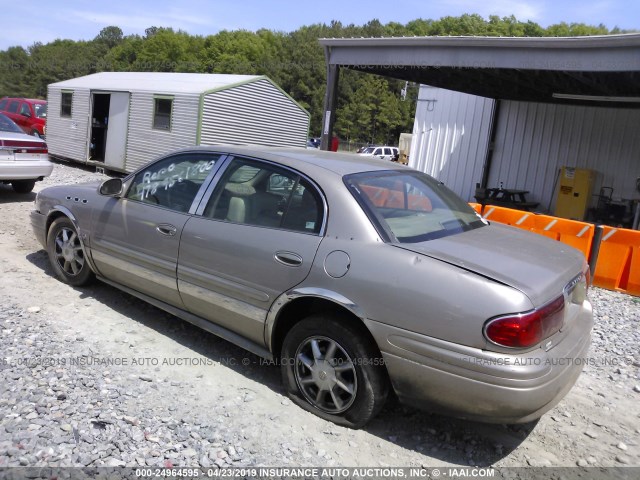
(387, 151)
(3, 104)
(13, 106)
(261, 194)
(172, 182)
(24, 110)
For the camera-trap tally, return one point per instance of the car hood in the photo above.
(537, 266)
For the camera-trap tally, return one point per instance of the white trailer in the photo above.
(122, 120)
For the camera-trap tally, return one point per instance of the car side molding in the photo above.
(200, 322)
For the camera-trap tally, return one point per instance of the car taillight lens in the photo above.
(527, 329)
(19, 146)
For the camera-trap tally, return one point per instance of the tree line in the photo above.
(371, 109)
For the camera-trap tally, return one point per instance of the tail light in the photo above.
(522, 330)
(19, 146)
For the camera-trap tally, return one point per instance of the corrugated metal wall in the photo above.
(144, 143)
(450, 137)
(255, 113)
(534, 140)
(67, 137)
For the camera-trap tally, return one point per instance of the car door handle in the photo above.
(166, 229)
(289, 259)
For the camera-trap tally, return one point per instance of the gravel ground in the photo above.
(95, 377)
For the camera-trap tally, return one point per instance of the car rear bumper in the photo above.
(480, 385)
(25, 169)
(39, 225)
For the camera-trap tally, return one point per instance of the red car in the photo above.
(28, 113)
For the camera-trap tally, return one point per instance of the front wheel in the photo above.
(23, 186)
(66, 254)
(331, 368)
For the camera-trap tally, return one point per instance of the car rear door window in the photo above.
(13, 106)
(261, 194)
(3, 104)
(172, 182)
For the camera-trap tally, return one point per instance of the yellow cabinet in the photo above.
(574, 192)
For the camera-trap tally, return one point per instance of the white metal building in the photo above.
(532, 142)
(122, 120)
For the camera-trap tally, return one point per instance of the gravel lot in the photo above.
(95, 377)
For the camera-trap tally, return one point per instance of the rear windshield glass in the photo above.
(7, 125)
(410, 207)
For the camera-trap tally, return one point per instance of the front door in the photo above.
(136, 238)
(118, 122)
(256, 238)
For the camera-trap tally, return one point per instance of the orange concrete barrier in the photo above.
(618, 266)
(579, 235)
(508, 216)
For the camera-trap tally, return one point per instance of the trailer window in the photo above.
(162, 113)
(66, 102)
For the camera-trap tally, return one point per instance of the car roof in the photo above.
(32, 100)
(308, 161)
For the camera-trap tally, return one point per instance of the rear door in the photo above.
(135, 239)
(256, 237)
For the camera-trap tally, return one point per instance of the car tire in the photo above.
(349, 395)
(66, 254)
(23, 186)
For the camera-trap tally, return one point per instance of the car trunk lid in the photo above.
(535, 265)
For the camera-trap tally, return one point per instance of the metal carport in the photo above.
(593, 71)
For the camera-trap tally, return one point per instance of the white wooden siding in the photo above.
(254, 113)
(450, 137)
(67, 137)
(144, 144)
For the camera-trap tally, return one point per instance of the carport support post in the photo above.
(330, 96)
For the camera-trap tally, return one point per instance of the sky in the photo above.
(26, 22)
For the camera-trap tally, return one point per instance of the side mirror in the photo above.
(111, 187)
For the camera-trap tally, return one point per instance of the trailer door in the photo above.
(117, 130)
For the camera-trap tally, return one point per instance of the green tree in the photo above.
(370, 108)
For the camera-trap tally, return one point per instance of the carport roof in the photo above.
(595, 70)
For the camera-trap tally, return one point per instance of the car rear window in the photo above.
(410, 207)
(8, 125)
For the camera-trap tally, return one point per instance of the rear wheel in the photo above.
(66, 254)
(23, 186)
(332, 369)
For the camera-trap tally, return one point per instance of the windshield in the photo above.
(410, 207)
(369, 150)
(7, 125)
(41, 110)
